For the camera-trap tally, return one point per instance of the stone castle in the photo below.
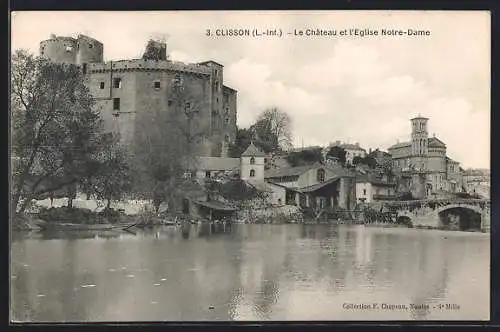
(130, 92)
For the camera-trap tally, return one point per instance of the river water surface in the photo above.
(250, 272)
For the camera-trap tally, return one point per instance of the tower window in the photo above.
(157, 84)
(69, 48)
(226, 120)
(252, 173)
(116, 103)
(117, 83)
(252, 161)
(226, 138)
(102, 85)
(364, 191)
(170, 102)
(187, 106)
(84, 68)
(91, 45)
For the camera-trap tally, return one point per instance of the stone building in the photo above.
(351, 151)
(131, 93)
(423, 159)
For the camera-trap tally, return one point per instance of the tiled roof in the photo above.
(217, 163)
(289, 171)
(400, 145)
(319, 185)
(298, 170)
(351, 147)
(253, 151)
(434, 142)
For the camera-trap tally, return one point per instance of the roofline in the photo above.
(208, 61)
(228, 88)
(419, 118)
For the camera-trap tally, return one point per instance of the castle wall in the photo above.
(141, 101)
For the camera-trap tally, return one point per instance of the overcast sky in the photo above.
(335, 88)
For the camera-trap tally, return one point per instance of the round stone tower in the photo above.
(419, 136)
(59, 49)
(88, 50)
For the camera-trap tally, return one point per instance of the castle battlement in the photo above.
(148, 65)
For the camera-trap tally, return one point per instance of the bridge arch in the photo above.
(460, 216)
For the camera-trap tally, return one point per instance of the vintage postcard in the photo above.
(250, 166)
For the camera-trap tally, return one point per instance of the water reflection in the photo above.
(247, 272)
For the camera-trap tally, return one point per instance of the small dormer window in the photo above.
(252, 161)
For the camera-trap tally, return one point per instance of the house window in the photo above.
(252, 173)
(69, 48)
(170, 102)
(84, 68)
(207, 174)
(117, 83)
(187, 106)
(157, 84)
(227, 120)
(217, 99)
(226, 138)
(101, 85)
(116, 103)
(320, 175)
(227, 111)
(91, 45)
(177, 79)
(252, 161)
(364, 192)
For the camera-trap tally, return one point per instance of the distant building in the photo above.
(352, 150)
(130, 92)
(425, 158)
(477, 181)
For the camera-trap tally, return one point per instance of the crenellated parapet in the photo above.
(148, 65)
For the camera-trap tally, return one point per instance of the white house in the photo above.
(370, 189)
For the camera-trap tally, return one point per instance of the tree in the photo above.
(338, 153)
(305, 157)
(273, 128)
(357, 160)
(243, 138)
(54, 127)
(155, 50)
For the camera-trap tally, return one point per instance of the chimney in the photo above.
(370, 150)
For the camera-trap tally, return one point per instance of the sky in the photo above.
(347, 88)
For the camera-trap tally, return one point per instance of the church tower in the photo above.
(252, 164)
(419, 136)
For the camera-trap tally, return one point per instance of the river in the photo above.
(250, 272)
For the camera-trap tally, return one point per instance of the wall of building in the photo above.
(278, 195)
(246, 167)
(364, 192)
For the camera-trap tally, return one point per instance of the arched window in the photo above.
(252, 173)
(252, 161)
(321, 175)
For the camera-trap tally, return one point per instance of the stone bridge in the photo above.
(430, 213)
